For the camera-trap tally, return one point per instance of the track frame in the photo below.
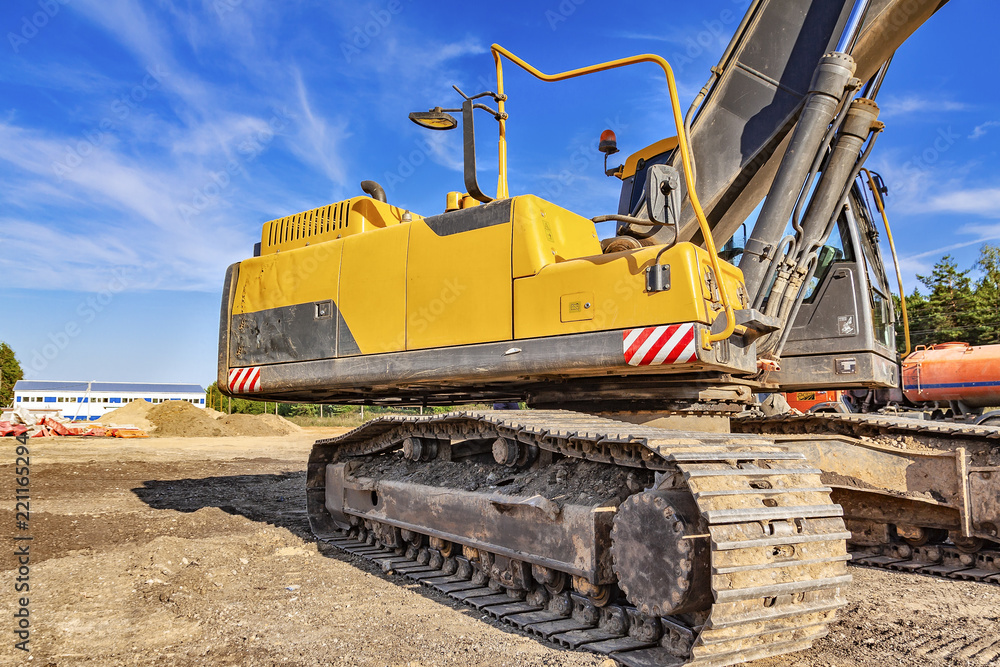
(926, 500)
(777, 556)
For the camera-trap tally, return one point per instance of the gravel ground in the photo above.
(195, 551)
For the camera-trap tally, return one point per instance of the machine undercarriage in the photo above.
(652, 546)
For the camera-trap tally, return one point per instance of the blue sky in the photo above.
(142, 144)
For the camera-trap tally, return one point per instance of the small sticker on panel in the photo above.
(576, 307)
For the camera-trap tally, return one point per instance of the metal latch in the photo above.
(848, 366)
(324, 310)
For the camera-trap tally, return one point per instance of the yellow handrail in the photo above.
(682, 142)
(892, 248)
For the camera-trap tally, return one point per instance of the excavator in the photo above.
(645, 506)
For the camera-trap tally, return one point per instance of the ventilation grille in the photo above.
(319, 224)
(328, 223)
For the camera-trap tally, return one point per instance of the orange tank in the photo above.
(953, 372)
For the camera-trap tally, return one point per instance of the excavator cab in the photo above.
(844, 333)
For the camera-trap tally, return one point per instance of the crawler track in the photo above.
(944, 435)
(940, 560)
(778, 555)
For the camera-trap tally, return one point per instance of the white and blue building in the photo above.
(88, 401)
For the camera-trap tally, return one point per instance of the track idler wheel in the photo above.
(510, 452)
(554, 581)
(968, 545)
(659, 554)
(918, 536)
(420, 449)
(446, 548)
(598, 594)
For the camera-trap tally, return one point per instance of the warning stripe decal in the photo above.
(244, 380)
(665, 344)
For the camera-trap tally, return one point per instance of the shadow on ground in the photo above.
(277, 499)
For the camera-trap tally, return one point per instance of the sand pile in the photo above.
(259, 424)
(135, 414)
(182, 419)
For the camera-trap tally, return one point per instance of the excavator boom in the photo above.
(741, 121)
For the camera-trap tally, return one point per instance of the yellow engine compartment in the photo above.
(513, 269)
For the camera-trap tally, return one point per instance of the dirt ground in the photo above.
(197, 551)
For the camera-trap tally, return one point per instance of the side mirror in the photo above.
(880, 184)
(439, 119)
(663, 188)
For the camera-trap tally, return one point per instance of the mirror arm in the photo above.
(469, 151)
(614, 171)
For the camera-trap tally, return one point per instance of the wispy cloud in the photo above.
(129, 23)
(922, 263)
(911, 267)
(75, 77)
(981, 130)
(469, 46)
(984, 202)
(108, 211)
(971, 235)
(101, 176)
(895, 106)
(173, 181)
(944, 250)
(446, 149)
(676, 37)
(320, 138)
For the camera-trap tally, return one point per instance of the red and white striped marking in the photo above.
(666, 344)
(244, 380)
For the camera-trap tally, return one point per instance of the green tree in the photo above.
(921, 330)
(987, 296)
(214, 398)
(305, 410)
(950, 311)
(10, 372)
